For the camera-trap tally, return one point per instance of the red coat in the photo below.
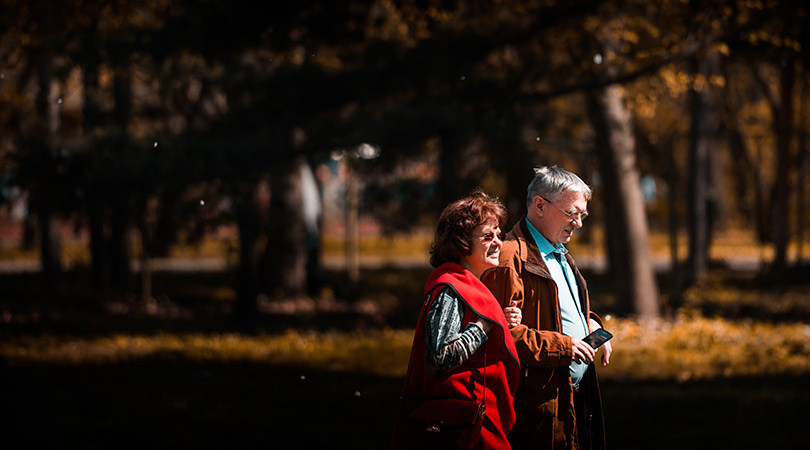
(502, 368)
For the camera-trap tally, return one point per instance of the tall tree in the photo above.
(626, 218)
(90, 60)
(626, 221)
(285, 251)
(784, 135)
(48, 215)
(45, 145)
(702, 144)
(750, 187)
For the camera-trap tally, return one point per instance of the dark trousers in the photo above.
(535, 431)
(584, 419)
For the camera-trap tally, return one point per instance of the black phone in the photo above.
(597, 338)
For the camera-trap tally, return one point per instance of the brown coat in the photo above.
(544, 402)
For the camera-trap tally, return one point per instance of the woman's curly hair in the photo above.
(457, 222)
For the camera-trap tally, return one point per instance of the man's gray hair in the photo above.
(552, 182)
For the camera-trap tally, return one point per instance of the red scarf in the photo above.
(502, 367)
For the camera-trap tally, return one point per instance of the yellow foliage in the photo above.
(381, 352)
(717, 80)
(700, 348)
(691, 347)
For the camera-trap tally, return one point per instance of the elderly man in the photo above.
(558, 403)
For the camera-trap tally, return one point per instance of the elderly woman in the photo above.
(462, 348)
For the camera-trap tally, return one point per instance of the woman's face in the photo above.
(486, 247)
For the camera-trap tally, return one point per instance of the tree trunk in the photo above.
(98, 244)
(801, 178)
(519, 164)
(286, 251)
(628, 243)
(749, 182)
(119, 243)
(120, 220)
(313, 207)
(146, 227)
(92, 119)
(448, 182)
(51, 249)
(781, 193)
(247, 291)
(352, 230)
(801, 195)
(675, 299)
(698, 192)
(49, 108)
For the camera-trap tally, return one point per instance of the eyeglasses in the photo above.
(572, 215)
(489, 237)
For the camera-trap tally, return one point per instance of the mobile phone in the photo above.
(597, 338)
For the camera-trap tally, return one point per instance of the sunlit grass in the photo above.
(736, 295)
(379, 352)
(412, 245)
(726, 245)
(701, 348)
(680, 350)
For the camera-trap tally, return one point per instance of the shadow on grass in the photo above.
(180, 404)
(750, 413)
(175, 403)
(200, 302)
(206, 299)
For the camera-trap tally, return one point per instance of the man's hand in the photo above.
(582, 351)
(607, 347)
(513, 314)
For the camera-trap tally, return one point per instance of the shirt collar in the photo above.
(546, 248)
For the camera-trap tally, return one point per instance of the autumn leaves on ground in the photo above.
(729, 370)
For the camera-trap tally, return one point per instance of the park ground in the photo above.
(728, 369)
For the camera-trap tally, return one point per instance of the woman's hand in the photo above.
(485, 325)
(513, 314)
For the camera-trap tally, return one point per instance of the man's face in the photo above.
(554, 224)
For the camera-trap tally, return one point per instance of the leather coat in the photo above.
(545, 394)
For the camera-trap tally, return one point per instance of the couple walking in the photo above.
(501, 329)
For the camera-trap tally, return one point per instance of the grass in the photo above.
(738, 413)
(303, 389)
(103, 370)
(730, 243)
(698, 348)
(332, 351)
(687, 349)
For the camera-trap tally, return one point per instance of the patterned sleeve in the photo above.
(447, 347)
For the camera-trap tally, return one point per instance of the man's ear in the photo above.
(538, 203)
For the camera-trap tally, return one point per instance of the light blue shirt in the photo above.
(573, 320)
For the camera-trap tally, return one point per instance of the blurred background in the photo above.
(215, 216)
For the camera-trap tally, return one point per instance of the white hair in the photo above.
(552, 182)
